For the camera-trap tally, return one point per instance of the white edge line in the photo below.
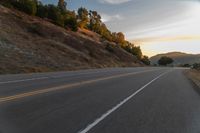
(31, 79)
(22, 80)
(90, 126)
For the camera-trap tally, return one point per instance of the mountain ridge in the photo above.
(179, 58)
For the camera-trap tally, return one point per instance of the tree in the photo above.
(137, 52)
(120, 38)
(165, 61)
(145, 60)
(95, 21)
(55, 15)
(83, 17)
(106, 34)
(70, 20)
(134, 50)
(27, 6)
(62, 5)
(196, 66)
(42, 11)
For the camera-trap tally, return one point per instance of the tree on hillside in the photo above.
(163, 61)
(62, 5)
(106, 34)
(145, 60)
(83, 17)
(120, 38)
(134, 50)
(95, 21)
(70, 20)
(27, 6)
(42, 11)
(55, 15)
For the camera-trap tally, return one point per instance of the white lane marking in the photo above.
(32, 79)
(90, 126)
(23, 80)
(42, 91)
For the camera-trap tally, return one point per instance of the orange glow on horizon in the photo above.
(151, 40)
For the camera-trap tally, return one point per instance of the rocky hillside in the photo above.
(32, 44)
(178, 57)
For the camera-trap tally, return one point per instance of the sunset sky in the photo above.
(158, 26)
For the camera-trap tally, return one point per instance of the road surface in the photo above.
(116, 100)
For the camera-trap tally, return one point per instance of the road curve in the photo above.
(116, 100)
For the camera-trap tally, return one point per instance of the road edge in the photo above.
(194, 81)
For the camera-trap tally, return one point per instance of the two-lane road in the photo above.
(117, 100)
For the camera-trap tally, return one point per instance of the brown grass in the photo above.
(31, 44)
(194, 75)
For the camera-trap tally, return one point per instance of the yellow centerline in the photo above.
(37, 92)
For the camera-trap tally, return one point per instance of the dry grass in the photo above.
(194, 75)
(31, 44)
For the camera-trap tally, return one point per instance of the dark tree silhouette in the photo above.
(163, 61)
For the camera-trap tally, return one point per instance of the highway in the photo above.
(112, 100)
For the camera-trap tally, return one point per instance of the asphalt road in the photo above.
(116, 100)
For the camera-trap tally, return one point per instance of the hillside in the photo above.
(31, 44)
(178, 57)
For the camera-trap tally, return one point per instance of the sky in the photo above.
(157, 26)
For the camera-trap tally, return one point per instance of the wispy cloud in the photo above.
(114, 1)
(109, 18)
(151, 40)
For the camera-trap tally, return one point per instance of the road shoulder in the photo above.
(194, 77)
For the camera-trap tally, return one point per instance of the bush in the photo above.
(42, 11)
(165, 61)
(70, 20)
(27, 6)
(146, 60)
(110, 48)
(196, 66)
(55, 15)
(71, 23)
(134, 50)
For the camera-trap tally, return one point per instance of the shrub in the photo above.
(71, 23)
(27, 6)
(110, 48)
(196, 66)
(42, 11)
(146, 60)
(55, 15)
(165, 61)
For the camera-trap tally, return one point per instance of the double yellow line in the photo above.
(37, 92)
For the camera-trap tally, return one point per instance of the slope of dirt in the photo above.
(31, 44)
(194, 75)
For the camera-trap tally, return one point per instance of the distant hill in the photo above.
(32, 44)
(178, 57)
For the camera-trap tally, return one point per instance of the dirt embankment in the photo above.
(194, 75)
(31, 44)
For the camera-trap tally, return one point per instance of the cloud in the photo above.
(114, 1)
(151, 40)
(109, 18)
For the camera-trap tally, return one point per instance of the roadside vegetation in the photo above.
(196, 66)
(163, 61)
(71, 20)
(194, 74)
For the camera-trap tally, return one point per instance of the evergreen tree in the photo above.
(62, 5)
